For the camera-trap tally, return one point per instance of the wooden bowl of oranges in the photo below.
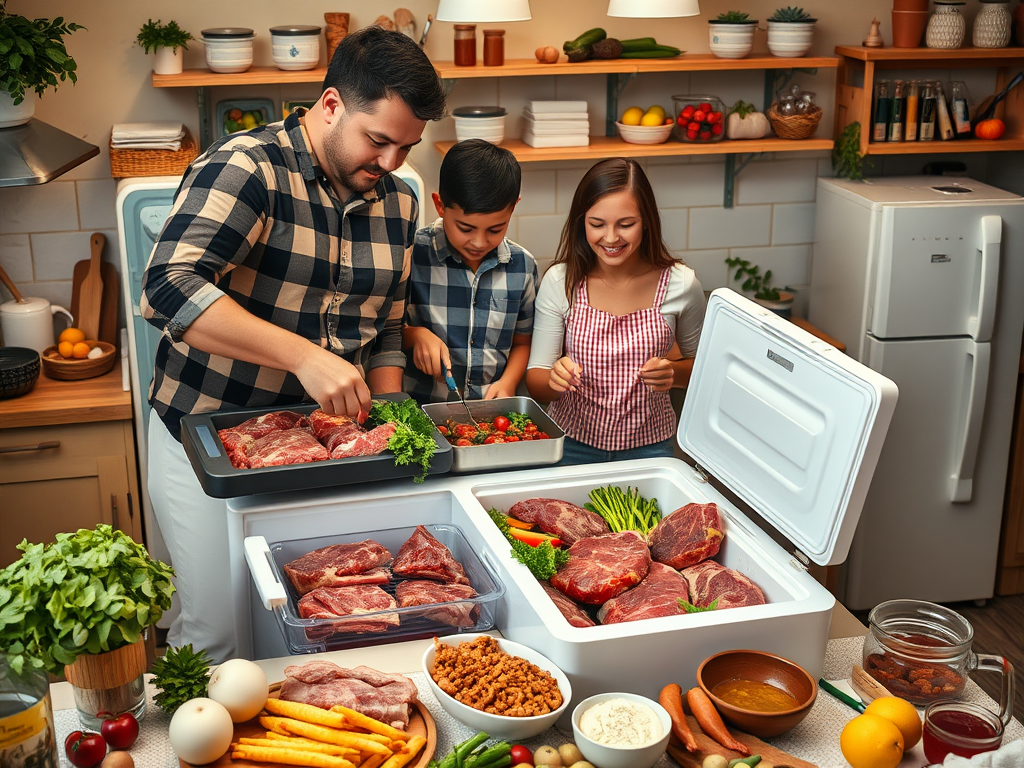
(74, 357)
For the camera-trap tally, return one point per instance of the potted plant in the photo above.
(790, 32)
(168, 44)
(79, 606)
(32, 58)
(732, 35)
(779, 301)
(847, 160)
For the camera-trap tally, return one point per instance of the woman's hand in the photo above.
(658, 374)
(565, 375)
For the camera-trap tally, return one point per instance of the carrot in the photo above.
(533, 538)
(671, 698)
(513, 523)
(711, 722)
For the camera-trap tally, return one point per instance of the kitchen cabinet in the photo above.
(1010, 573)
(859, 68)
(67, 461)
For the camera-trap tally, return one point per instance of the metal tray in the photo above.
(318, 635)
(221, 480)
(500, 456)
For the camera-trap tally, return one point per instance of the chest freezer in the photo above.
(784, 432)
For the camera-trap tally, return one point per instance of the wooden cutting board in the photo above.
(771, 757)
(107, 330)
(90, 294)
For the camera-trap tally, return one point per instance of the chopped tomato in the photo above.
(465, 430)
(442, 429)
(490, 439)
(502, 423)
(484, 426)
(463, 441)
(542, 436)
(531, 427)
(511, 439)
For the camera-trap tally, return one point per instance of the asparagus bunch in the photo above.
(624, 510)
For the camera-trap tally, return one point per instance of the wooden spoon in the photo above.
(868, 688)
(91, 292)
(11, 286)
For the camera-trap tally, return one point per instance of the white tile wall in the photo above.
(16, 259)
(789, 264)
(709, 266)
(673, 227)
(44, 208)
(730, 227)
(793, 223)
(96, 204)
(780, 181)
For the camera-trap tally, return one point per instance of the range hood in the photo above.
(36, 153)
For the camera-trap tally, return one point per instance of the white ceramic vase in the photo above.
(731, 41)
(790, 38)
(11, 115)
(168, 61)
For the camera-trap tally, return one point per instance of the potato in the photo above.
(714, 761)
(582, 764)
(547, 755)
(570, 754)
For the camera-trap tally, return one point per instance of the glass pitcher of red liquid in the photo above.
(960, 728)
(921, 652)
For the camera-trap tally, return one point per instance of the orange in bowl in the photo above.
(66, 349)
(80, 350)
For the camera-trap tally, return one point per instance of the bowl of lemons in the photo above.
(650, 126)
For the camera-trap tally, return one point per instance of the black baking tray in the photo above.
(221, 480)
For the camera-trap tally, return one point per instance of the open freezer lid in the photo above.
(787, 422)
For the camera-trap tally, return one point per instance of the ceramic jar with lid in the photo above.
(487, 123)
(946, 27)
(295, 47)
(228, 49)
(993, 24)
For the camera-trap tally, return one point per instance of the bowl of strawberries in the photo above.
(700, 119)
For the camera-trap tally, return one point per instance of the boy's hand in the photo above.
(430, 354)
(565, 375)
(657, 373)
(499, 389)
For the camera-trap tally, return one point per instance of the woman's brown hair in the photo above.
(605, 178)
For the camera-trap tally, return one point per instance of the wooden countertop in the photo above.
(69, 402)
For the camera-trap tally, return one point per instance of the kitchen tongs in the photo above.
(453, 387)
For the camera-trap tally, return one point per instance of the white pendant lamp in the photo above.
(651, 9)
(484, 11)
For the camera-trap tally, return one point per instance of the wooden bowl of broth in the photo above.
(758, 692)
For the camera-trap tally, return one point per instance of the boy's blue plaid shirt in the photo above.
(475, 315)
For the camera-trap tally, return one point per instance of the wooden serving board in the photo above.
(421, 723)
(771, 757)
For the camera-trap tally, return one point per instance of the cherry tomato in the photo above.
(491, 439)
(465, 430)
(530, 427)
(120, 732)
(502, 423)
(85, 749)
(442, 429)
(542, 436)
(511, 439)
(521, 755)
(463, 441)
(485, 426)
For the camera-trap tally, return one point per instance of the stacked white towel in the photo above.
(155, 135)
(556, 124)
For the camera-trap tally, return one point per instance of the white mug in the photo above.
(29, 323)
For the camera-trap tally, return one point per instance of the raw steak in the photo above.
(572, 612)
(601, 567)
(687, 536)
(338, 602)
(560, 518)
(422, 592)
(329, 566)
(343, 437)
(710, 580)
(424, 557)
(376, 694)
(238, 438)
(655, 596)
(286, 446)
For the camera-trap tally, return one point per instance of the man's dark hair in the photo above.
(479, 177)
(375, 63)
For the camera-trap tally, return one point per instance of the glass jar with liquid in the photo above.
(494, 47)
(27, 736)
(913, 112)
(883, 111)
(898, 115)
(465, 45)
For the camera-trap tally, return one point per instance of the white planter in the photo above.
(731, 41)
(168, 61)
(790, 38)
(11, 115)
(783, 307)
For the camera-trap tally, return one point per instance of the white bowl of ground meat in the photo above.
(494, 685)
(621, 730)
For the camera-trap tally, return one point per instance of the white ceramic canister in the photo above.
(486, 123)
(228, 49)
(29, 323)
(296, 46)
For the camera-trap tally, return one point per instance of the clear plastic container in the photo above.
(695, 123)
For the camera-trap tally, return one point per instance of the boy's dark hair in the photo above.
(479, 177)
(375, 63)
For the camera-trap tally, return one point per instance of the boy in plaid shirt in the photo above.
(471, 289)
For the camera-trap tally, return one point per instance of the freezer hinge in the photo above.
(701, 473)
(800, 561)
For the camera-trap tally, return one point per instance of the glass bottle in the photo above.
(992, 25)
(961, 111)
(896, 123)
(465, 45)
(883, 111)
(926, 132)
(27, 736)
(494, 47)
(945, 123)
(912, 111)
(946, 26)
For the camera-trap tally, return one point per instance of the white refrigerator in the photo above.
(923, 279)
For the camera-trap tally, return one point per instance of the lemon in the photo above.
(632, 116)
(71, 334)
(652, 119)
(870, 741)
(656, 109)
(902, 714)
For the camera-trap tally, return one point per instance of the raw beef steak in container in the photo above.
(601, 567)
(560, 518)
(687, 536)
(338, 565)
(657, 595)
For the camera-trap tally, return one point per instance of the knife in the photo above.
(453, 387)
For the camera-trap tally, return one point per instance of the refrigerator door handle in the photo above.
(972, 413)
(257, 555)
(991, 242)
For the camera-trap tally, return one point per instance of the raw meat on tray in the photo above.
(710, 580)
(379, 695)
(422, 592)
(286, 446)
(560, 518)
(347, 604)
(238, 438)
(601, 567)
(340, 564)
(343, 437)
(657, 595)
(570, 609)
(687, 536)
(424, 557)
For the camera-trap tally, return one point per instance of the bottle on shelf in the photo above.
(926, 130)
(945, 123)
(465, 45)
(961, 111)
(912, 111)
(883, 111)
(898, 116)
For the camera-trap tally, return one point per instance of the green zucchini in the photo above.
(659, 52)
(583, 43)
(638, 44)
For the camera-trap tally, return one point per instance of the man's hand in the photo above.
(429, 353)
(657, 373)
(565, 375)
(334, 383)
(499, 389)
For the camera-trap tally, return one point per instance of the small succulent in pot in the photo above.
(733, 17)
(791, 15)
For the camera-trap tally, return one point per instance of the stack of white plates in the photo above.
(486, 123)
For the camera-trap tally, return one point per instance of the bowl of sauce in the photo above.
(621, 730)
(758, 692)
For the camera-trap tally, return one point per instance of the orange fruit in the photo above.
(870, 741)
(902, 714)
(66, 349)
(71, 334)
(81, 350)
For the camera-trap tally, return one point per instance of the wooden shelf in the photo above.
(930, 57)
(201, 78)
(943, 147)
(604, 146)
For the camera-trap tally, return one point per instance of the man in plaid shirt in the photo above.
(280, 277)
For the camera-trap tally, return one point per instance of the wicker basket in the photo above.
(127, 163)
(799, 126)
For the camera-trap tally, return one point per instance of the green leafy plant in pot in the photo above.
(33, 57)
(79, 606)
(167, 42)
(759, 286)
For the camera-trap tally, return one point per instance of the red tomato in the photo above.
(85, 749)
(465, 430)
(484, 426)
(511, 439)
(542, 436)
(463, 441)
(681, 121)
(717, 129)
(700, 116)
(705, 106)
(530, 427)
(491, 439)
(442, 429)
(501, 423)
(120, 732)
(688, 111)
(521, 755)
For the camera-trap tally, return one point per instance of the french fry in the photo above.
(274, 725)
(406, 753)
(374, 761)
(290, 757)
(307, 713)
(360, 720)
(327, 735)
(304, 744)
